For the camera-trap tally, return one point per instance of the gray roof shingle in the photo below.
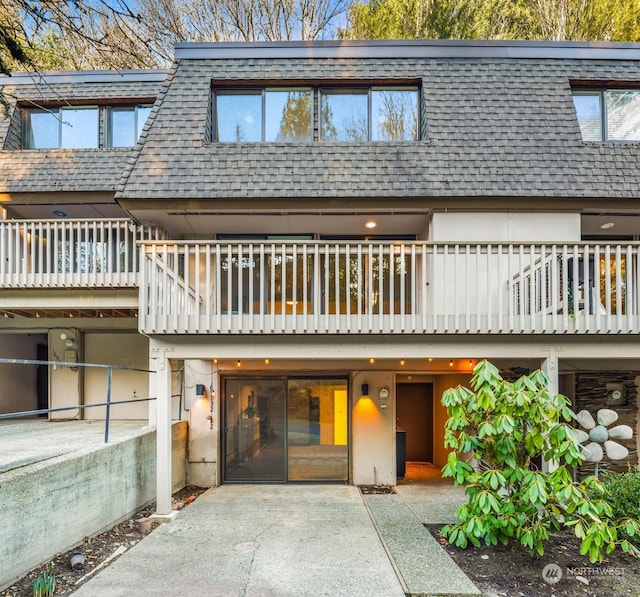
(67, 170)
(496, 127)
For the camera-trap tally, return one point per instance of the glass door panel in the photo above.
(317, 430)
(254, 429)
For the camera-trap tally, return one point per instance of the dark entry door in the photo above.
(42, 378)
(414, 412)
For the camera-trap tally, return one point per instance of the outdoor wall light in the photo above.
(364, 389)
(200, 390)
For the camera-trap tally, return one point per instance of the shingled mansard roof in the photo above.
(499, 116)
(499, 122)
(71, 170)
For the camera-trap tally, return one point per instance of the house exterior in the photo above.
(308, 242)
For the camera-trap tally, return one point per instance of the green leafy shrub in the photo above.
(500, 428)
(622, 493)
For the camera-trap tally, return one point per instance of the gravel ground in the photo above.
(99, 551)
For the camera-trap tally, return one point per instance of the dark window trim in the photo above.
(104, 115)
(89, 102)
(331, 82)
(601, 91)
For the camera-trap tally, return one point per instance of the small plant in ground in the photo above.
(44, 585)
(502, 428)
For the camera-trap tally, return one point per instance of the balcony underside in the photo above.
(77, 303)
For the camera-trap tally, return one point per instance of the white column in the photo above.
(163, 435)
(550, 367)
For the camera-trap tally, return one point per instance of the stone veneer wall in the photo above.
(591, 394)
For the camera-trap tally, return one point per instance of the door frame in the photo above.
(284, 377)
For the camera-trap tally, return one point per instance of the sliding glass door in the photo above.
(291, 429)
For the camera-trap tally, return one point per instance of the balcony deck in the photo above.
(83, 267)
(309, 287)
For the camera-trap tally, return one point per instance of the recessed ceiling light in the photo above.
(370, 224)
(607, 225)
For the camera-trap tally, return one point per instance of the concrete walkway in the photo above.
(281, 541)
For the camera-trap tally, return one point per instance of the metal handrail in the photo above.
(107, 404)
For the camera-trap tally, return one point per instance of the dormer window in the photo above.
(343, 113)
(83, 127)
(608, 114)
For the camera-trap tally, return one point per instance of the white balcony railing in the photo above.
(388, 288)
(71, 253)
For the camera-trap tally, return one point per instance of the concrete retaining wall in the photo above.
(49, 507)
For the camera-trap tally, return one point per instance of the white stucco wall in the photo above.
(478, 282)
(373, 430)
(123, 349)
(504, 227)
(203, 462)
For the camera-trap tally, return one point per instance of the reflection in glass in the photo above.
(239, 117)
(142, 114)
(394, 115)
(278, 430)
(317, 429)
(344, 115)
(79, 128)
(589, 112)
(254, 430)
(623, 115)
(42, 130)
(288, 115)
(377, 284)
(122, 131)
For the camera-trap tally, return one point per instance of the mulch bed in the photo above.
(512, 572)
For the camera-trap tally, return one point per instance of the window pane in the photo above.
(288, 115)
(143, 115)
(122, 127)
(239, 117)
(317, 430)
(254, 430)
(344, 116)
(623, 115)
(589, 112)
(41, 130)
(394, 115)
(79, 127)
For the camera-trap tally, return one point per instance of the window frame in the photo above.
(109, 110)
(56, 112)
(318, 89)
(261, 91)
(602, 94)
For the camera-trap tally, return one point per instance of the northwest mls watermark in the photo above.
(553, 573)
